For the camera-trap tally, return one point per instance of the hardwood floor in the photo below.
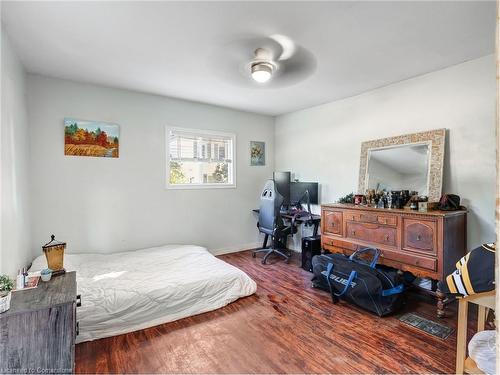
(286, 327)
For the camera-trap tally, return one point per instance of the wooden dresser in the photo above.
(37, 333)
(427, 244)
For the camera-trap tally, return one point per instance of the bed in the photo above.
(129, 291)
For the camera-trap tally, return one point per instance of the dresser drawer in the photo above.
(332, 222)
(327, 242)
(372, 217)
(410, 259)
(420, 236)
(352, 216)
(373, 233)
(391, 220)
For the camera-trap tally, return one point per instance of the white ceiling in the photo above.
(171, 48)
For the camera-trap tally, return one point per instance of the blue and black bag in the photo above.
(373, 287)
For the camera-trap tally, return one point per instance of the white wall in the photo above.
(460, 98)
(109, 205)
(15, 221)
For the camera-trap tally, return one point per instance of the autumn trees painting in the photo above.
(91, 138)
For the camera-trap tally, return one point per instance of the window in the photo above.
(216, 151)
(191, 162)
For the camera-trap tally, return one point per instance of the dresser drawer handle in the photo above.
(78, 300)
(418, 237)
(353, 232)
(387, 237)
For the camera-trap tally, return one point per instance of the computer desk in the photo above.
(315, 220)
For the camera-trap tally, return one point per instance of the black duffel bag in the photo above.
(370, 286)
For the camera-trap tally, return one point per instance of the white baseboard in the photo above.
(236, 248)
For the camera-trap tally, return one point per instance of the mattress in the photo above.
(129, 291)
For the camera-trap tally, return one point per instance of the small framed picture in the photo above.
(257, 153)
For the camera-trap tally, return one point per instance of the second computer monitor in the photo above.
(282, 181)
(298, 190)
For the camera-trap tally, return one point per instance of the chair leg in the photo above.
(264, 246)
(275, 251)
(263, 250)
(264, 260)
(275, 247)
(482, 315)
(461, 336)
(287, 257)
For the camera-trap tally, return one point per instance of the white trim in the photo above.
(235, 248)
(242, 247)
(200, 132)
(198, 186)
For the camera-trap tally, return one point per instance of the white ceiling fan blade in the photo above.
(296, 69)
(288, 47)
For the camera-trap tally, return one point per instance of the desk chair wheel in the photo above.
(253, 255)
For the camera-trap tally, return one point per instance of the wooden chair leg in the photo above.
(482, 314)
(461, 336)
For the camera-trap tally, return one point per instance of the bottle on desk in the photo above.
(20, 279)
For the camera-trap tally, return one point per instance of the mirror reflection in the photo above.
(403, 167)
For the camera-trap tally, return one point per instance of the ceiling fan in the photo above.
(263, 66)
(280, 56)
(270, 62)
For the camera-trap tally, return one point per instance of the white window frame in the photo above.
(201, 132)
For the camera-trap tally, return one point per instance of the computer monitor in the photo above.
(282, 181)
(298, 189)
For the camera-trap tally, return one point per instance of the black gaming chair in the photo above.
(271, 224)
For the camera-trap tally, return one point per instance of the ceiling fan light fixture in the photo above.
(262, 71)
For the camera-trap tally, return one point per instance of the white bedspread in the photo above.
(125, 292)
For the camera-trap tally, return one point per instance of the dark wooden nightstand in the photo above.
(37, 333)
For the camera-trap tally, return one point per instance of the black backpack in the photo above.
(373, 287)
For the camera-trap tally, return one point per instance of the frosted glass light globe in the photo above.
(262, 72)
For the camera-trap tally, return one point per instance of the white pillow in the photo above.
(482, 351)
